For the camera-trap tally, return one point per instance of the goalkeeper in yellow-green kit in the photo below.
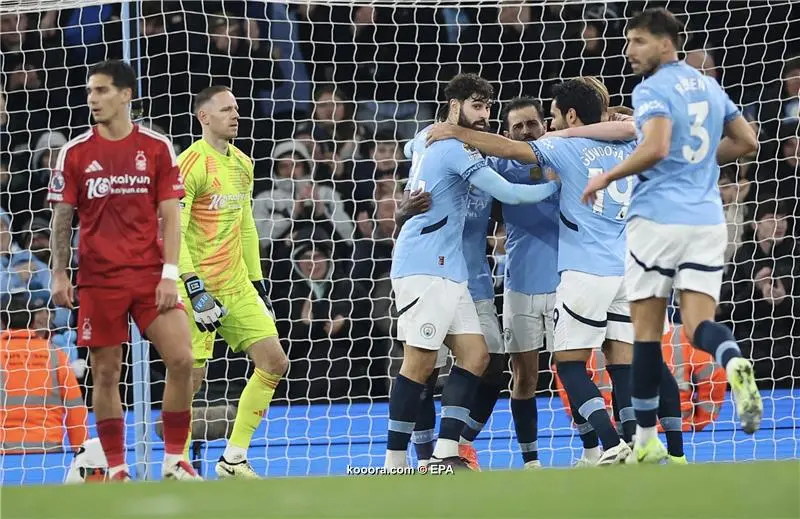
(220, 266)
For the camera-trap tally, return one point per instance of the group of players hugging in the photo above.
(593, 255)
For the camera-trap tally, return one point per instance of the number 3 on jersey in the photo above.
(619, 198)
(698, 112)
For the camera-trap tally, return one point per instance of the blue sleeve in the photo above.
(463, 159)
(648, 103)
(408, 149)
(548, 152)
(731, 110)
(488, 180)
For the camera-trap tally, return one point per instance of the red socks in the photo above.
(176, 430)
(112, 437)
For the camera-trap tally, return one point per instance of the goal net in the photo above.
(329, 92)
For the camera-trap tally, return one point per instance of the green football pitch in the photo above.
(748, 490)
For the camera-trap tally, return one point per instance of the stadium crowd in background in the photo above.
(328, 97)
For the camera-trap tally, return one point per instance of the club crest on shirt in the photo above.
(141, 161)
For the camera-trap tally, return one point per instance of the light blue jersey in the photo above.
(430, 243)
(591, 239)
(682, 189)
(531, 236)
(476, 228)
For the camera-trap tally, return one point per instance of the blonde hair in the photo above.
(600, 88)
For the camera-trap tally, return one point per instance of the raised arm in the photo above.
(488, 180)
(487, 143)
(607, 131)
(654, 147)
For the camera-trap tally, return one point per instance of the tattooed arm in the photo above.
(60, 254)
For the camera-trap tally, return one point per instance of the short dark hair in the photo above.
(18, 310)
(659, 22)
(122, 74)
(773, 207)
(516, 104)
(206, 94)
(578, 95)
(464, 86)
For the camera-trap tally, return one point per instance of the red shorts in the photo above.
(103, 312)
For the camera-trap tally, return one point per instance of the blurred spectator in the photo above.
(324, 316)
(41, 402)
(766, 296)
(28, 187)
(702, 61)
(733, 191)
(333, 114)
(295, 201)
(780, 105)
(239, 58)
(375, 177)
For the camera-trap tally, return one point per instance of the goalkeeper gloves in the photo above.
(207, 310)
(261, 288)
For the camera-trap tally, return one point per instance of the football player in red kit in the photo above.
(122, 178)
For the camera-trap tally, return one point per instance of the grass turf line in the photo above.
(747, 490)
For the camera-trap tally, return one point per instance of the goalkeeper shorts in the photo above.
(247, 322)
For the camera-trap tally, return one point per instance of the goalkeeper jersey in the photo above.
(219, 240)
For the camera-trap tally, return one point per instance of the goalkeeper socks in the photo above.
(485, 399)
(111, 433)
(424, 435)
(718, 340)
(457, 398)
(253, 405)
(586, 397)
(176, 430)
(669, 412)
(647, 365)
(526, 425)
(621, 382)
(404, 405)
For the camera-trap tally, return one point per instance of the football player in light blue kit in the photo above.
(429, 276)
(481, 289)
(676, 227)
(530, 281)
(591, 309)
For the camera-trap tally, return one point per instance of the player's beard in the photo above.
(652, 66)
(480, 125)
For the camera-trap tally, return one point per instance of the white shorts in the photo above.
(490, 327)
(527, 321)
(665, 257)
(431, 308)
(589, 310)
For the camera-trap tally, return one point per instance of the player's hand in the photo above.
(261, 288)
(440, 132)
(596, 183)
(166, 294)
(61, 290)
(335, 326)
(551, 175)
(418, 201)
(206, 309)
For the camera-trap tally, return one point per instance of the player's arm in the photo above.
(652, 149)
(607, 131)
(206, 310)
(486, 143)
(488, 180)
(252, 254)
(739, 140)
(413, 203)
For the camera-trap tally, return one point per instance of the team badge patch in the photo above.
(57, 182)
(427, 330)
(141, 161)
(506, 335)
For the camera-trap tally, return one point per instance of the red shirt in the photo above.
(116, 187)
